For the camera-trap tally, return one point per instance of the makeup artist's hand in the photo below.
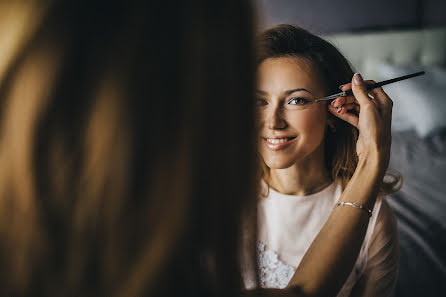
(372, 117)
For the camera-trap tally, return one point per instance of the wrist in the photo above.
(370, 170)
(364, 185)
(374, 163)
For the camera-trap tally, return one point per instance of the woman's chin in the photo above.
(279, 164)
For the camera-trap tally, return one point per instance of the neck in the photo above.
(305, 177)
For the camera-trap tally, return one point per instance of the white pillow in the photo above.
(420, 102)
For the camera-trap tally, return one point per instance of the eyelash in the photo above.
(304, 101)
(260, 102)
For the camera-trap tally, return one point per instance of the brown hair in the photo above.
(333, 70)
(126, 144)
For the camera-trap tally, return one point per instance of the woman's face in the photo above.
(291, 125)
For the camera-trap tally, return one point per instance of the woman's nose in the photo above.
(274, 119)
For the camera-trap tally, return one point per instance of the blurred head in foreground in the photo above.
(126, 147)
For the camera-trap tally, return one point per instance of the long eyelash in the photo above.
(296, 98)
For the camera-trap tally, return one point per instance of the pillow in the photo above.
(420, 102)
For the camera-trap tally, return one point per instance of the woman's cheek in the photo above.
(307, 121)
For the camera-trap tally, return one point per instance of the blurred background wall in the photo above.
(325, 16)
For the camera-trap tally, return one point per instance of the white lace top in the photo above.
(288, 224)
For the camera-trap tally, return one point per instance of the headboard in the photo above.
(367, 50)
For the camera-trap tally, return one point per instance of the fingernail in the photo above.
(333, 102)
(357, 79)
(339, 110)
(340, 87)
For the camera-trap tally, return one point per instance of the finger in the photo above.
(381, 97)
(350, 106)
(359, 90)
(348, 86)
(378, 93)
(373, 93)
(350, 99)
(375, 90)
(348, 117)
(345, 87)
(340, 101)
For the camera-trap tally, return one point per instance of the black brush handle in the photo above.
(386, 82)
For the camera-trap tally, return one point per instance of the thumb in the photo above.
(359, 90)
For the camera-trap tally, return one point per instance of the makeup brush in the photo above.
(371, 86)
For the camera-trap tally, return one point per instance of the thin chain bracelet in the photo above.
(355, 205)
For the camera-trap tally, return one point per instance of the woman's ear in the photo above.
(331, 123)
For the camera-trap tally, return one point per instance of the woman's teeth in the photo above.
(277, 140)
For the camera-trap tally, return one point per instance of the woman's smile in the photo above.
(277, 144)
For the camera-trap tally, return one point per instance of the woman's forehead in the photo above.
(287, 72)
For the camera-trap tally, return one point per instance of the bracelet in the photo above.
(355, 205)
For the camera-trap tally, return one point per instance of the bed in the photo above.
(418, 145)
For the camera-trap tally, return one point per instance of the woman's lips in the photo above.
(277, 144)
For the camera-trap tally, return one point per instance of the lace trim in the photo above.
(273, 272)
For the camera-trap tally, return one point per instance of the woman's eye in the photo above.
(260, 102)
(298, 101)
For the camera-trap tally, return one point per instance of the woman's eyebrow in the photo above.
(288, 92)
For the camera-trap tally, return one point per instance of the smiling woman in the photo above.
(309, 151)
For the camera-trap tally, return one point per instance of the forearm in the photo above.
(380, 274)
(331, 257)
